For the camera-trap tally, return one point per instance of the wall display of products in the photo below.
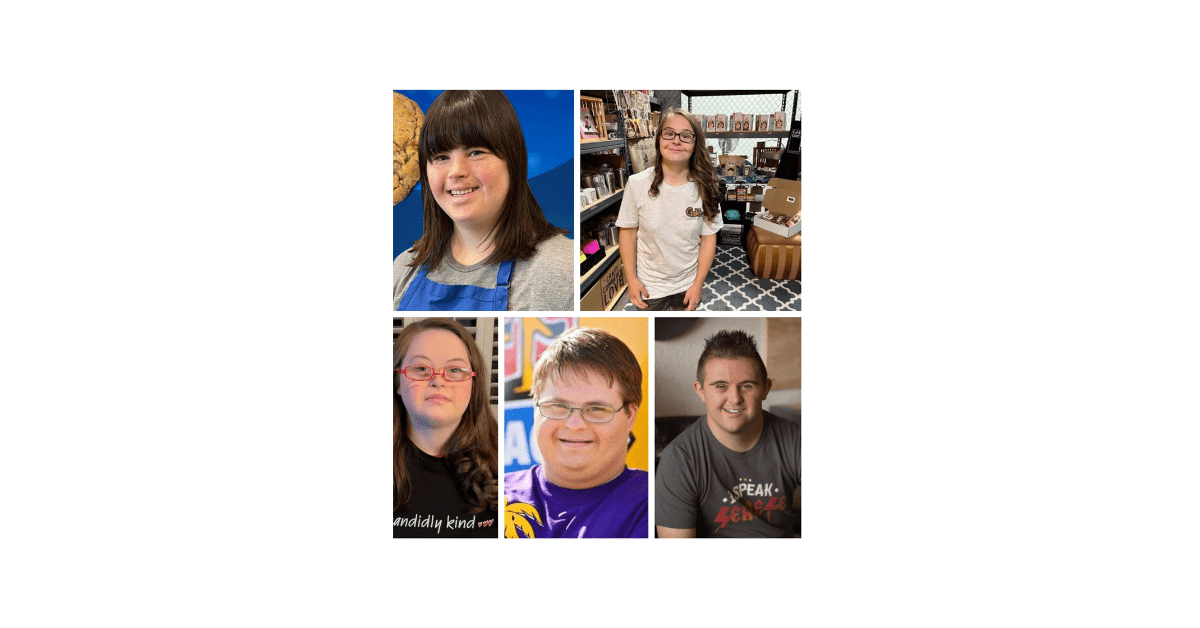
(733, 119)
(635, 109)
(630, 120)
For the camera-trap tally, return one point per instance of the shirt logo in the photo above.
(693, 212)
(517, 516)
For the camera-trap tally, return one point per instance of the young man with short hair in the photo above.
(736, 471)
(587, 388)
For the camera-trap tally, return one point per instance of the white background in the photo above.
(1000, 337)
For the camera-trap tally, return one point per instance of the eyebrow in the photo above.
(595, 402)
(744, 381)
(413, 357)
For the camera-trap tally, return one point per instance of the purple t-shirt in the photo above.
(535, 508)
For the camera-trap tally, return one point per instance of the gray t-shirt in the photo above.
(545, 281)
(669, 229)
(724, 493)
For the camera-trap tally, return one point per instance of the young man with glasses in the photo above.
(587, 387)
(736, 471)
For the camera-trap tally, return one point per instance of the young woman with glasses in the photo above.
(443, 434)
(669, 219)
(486, 244)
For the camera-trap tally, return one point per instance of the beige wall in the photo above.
(675, 365)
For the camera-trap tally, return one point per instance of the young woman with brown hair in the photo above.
(669, 219)
(443, 434)
(486, 244)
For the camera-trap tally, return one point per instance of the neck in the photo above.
(675, 174)
(564, 482)
(432, 441)
(740, 442)
(469, 246)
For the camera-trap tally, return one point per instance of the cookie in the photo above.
(406, 131)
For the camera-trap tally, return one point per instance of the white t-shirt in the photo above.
(669, 229)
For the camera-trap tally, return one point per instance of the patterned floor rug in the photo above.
(731, 285)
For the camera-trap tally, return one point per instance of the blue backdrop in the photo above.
(548, 121)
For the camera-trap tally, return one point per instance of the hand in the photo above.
(691, 298)
(637, 292)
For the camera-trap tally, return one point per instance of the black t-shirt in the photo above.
(435, 508)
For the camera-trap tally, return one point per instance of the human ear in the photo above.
(699, 390)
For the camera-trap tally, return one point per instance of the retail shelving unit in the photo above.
(616, 142)
(753, 101)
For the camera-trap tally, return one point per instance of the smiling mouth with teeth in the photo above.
(462, 192)
(734, 411)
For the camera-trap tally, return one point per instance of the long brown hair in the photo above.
(471, 119)
(700, 169)
(471, 452)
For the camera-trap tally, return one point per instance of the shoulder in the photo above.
(634, 489)
(636, 478)
(403, 260)
(554, 259)
(519, 484)
(783, 428)
(685, 448)
(555, 249)
(642, 180)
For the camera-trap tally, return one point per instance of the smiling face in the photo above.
(469, 184)
(733, 392)
(578, 454)
(676, 151)
(435, 403)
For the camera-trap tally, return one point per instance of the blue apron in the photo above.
(424, 294)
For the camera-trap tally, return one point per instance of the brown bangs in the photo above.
(459, 124)
(470, 119)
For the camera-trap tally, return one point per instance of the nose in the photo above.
(458, 166)
(575, 423)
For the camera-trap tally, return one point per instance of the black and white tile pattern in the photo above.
(731, 286)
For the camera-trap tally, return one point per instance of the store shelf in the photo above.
(592, 276)
(748, 134)
(615, 300)
(600, 205)
(595, 146)
(733, 92)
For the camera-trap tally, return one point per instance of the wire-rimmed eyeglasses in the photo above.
(591, 414)
(425, 373)
(686, 137)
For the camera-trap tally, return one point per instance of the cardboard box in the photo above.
(782, 202)
(777, 224)
(783, 197)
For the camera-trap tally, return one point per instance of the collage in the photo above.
(596, 327)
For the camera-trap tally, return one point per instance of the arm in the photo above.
(708, 250)
(676, 533)
(628, 244)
